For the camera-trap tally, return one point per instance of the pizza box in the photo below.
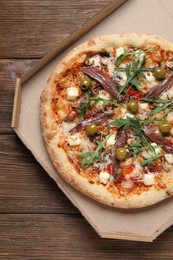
(142, 16)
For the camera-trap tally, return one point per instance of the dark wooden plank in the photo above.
(70, 237)
(9, 71)
(24, 186)
(32, 28)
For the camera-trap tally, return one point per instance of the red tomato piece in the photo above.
(127, 169)
(109, 168)
(135, 93)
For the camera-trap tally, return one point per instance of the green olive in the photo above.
(165, 127)
(121, 153)
(91, 129)
(85, 84)
(159, 73)
(133, 106)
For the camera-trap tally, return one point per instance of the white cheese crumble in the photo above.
(119, 51)
(139, 56)
(72, 93)
(95, 61)
(129, 115)
(169, 157)
(120, 77)
(104, 176)
(74, 140)
(111, 140)
(110, 68)
(144, 105)
(148, 179)
(157, 148)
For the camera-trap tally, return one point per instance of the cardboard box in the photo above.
(142, 16)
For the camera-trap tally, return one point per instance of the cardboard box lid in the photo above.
(133, 16)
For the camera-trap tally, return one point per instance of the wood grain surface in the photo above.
(36, 220)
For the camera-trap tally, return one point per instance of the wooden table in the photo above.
(36, 220)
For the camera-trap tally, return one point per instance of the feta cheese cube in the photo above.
(119, 51)
(111, 140)
(73, 140)
(129, 115)
(104, 176)
(72, 93)
(144, 105)
(157, 148)
(148, 179)
(169, 157)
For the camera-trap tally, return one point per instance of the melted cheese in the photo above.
(120, 77)
(95, 61)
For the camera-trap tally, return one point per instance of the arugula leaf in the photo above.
(134, 72)
(90, 157)
(168, 103)
(151, 159)
(91, 102)
(131, 54)
(136, 128)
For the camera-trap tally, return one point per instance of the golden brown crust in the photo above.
(53, 136)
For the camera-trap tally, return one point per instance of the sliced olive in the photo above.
(91, 129)
(165, 127)
(85, 84)
(159, 73)
(133, 106)
(121, 153)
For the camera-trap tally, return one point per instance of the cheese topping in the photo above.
(111, 140)
(169, 157)
(72, 93)
(104, 177)
(74, 140)
(149, 179)
(119, 51)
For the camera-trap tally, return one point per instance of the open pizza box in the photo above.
(142, 16)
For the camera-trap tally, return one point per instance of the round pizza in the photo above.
(107, 119)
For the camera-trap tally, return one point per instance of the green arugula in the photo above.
(134, 71)
(90, 157)
(135, 124)
(151, 159)
(168, 103)
(142, 142)
(131, 54)
(127, 122)
(138, 147)
(91, 102)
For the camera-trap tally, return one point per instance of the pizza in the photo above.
(107, 119)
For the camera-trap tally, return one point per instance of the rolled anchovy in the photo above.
(120, 142)
(157, 138)
(96, 119)
(106, 82)
(159, 88)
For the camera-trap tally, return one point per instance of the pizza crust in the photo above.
(52, 135)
